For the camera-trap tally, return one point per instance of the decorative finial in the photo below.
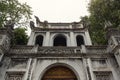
(32, 24)
(37, 20)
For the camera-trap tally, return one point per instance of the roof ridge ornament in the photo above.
(37, 20)
(32, 25)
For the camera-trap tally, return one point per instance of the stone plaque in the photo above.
(14, 76)
(99, 63)
(18, 63)
(103, 76)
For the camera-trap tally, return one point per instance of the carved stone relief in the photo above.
(99, 63)
(14, 76)
(59, 51)
(6, 43)
(103, 76)
(18, 64)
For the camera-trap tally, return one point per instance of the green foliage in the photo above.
(13, 12)
(85, 21)
(20, 37)
(103, 11)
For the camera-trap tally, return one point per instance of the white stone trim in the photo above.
(75, 65)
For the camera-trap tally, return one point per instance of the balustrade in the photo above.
(45, 50)
(58, 50)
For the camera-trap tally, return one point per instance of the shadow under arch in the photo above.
(67, 66)
(39, 40)
(59, 40)
(80, 40)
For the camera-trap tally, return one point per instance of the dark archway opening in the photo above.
(60, 41)
(59, 73)
(39, 40)
(80, 40)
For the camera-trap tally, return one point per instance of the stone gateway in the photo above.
(59, 51)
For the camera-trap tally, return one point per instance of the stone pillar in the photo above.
(6, 34)
(1, 55)
(86, 70)
(32, 69)
(83, 49)
(49, 26)
(72, 39)
(27, 70)
(70, 26)
(112, 64)
(88, 40)
(47, 39)
(31, 39)
(117, 56)
(90, 70)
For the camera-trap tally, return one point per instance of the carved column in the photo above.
(28, 70)
(72, 39)
(117, 56)
(90, 69)
(86, 69)
(88, 40)
(47, 39)
(31, 40)
(32, 68)
(1, 55)
(112, 63)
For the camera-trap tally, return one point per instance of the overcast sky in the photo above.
(59, 10)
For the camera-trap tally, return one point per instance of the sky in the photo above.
(58, 10)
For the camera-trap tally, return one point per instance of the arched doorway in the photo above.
(60, 40)
(39, 40)
(80, 40)
(59, 73)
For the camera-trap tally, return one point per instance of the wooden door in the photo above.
(59, 73)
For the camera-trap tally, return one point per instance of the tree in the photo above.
(20, 37)
(13, 12)
(85, 21)
(102, 12)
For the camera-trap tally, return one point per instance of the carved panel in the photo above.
(14, 76)
(18, 63)
(103, 76)
(96, 49)
(99, 63)
(22, 49)
(61, 50)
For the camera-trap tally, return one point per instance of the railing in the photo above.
(44, 50)
(22, 49)
(58, 50)
(96, 49)
(59, 27)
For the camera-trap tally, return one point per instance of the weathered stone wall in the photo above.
(3, 68)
